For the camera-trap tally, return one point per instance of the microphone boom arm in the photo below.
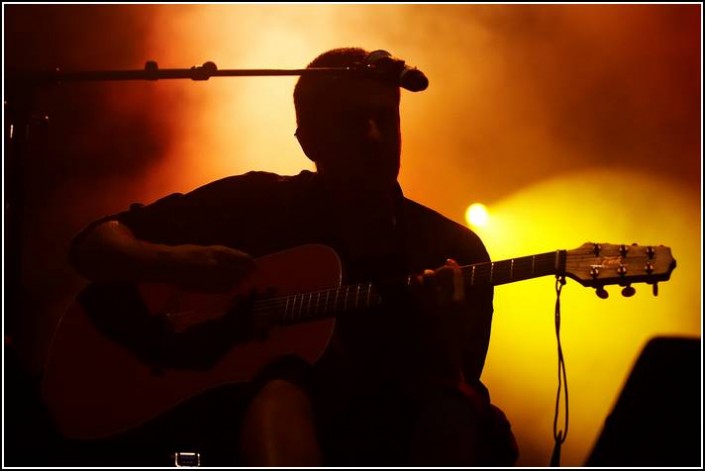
(382, 66)
(151, 71)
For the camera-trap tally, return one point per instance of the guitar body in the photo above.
(96, 386)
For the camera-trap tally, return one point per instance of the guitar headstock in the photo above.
(597, 265)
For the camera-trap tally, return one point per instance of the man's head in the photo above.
(348, 123)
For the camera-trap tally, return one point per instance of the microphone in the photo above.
(395, 70)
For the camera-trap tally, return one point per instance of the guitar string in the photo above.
(275, 304)
(482, 271)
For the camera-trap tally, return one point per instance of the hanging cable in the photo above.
(559, 436)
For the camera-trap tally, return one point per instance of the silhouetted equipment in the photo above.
(378, 64)
(396, 71)
(657, 418)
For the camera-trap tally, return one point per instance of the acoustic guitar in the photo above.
(113, 363)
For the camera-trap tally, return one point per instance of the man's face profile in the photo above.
(356, 136)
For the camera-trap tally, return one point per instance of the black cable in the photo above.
(559, 436)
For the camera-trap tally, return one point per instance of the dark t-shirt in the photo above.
(261, 213)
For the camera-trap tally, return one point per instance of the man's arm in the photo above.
(110, 251)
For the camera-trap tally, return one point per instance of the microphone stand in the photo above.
(152, 71)
(19, 121)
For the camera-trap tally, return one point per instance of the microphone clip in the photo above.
(381, 65)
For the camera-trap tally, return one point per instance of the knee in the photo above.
(280, 395)
(446, 433)
(278, 429)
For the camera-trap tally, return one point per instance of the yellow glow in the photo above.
(601, 339)
(476, 215)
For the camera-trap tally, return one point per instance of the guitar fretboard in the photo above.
(515, 269)
(318, 304)
(329, 302)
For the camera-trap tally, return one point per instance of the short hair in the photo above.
(313, 90)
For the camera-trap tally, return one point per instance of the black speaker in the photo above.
(657, 419)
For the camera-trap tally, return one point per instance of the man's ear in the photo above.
(306, 143)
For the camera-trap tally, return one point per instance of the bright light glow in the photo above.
(476, 215)
(601, 338)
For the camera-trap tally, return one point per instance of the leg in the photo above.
(278, 428)
(453, 430)
(446, 433)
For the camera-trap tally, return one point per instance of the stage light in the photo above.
(477, 215)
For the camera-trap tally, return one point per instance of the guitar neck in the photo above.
(515, 269)
(329, 302)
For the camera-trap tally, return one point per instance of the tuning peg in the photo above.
(654, 289)
(601, 293)
(628, 291)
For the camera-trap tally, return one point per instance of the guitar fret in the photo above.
(345, 302)
(357, 297)
(300, 312)
(472, 277)
(293, 309)
(369, 291)
(491, 272)
(511, 270)
(287, 312)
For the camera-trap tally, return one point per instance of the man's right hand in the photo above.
(207, 268)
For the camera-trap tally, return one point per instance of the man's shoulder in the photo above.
(266, 178)
(436, 225)
(431, 216)
(257, 181)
